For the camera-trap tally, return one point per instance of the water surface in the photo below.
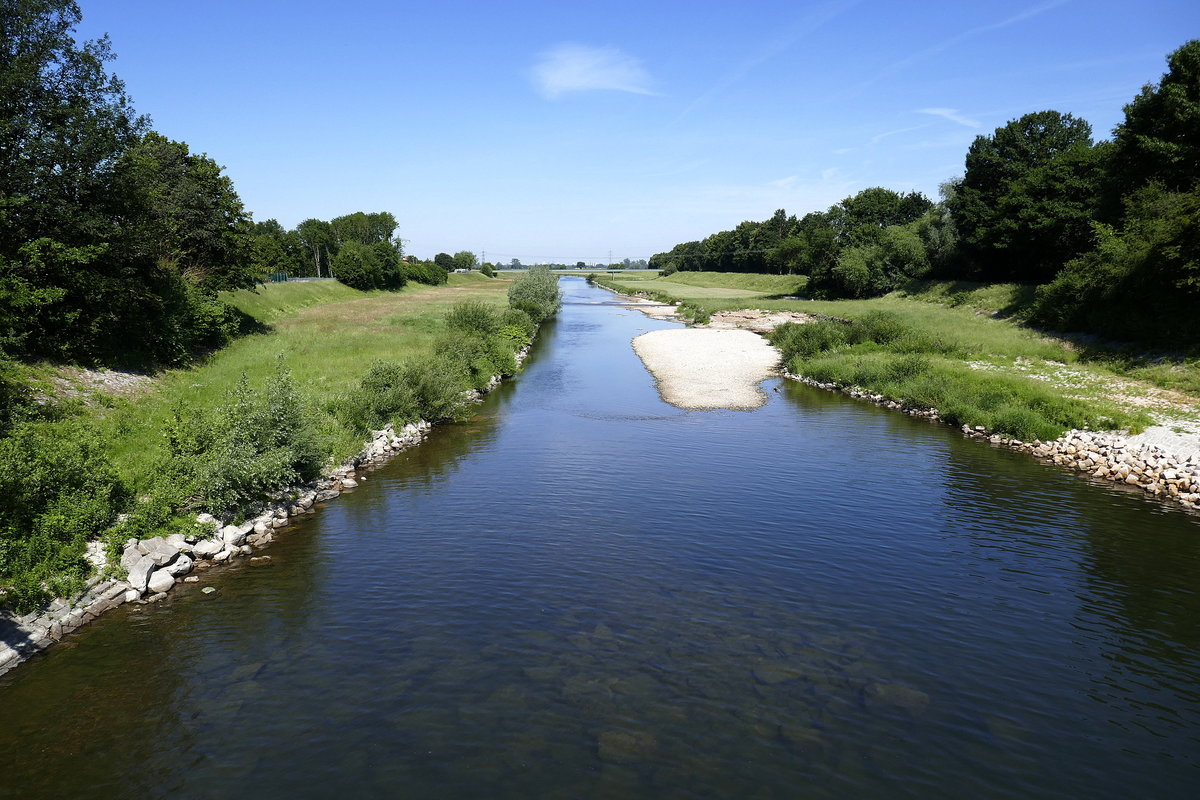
(585, 592)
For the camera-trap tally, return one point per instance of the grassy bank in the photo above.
(961, 347)
(328, 365)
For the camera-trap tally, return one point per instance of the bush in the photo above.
(57, 491)
(487, 270)
(425, 272)
(517, 326)
(474, 317)
(478, 358)
(809, 339)
(536, 293)
(397, 394)
(221, 459)
(369, 266)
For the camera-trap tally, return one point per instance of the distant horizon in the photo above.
(558, 134)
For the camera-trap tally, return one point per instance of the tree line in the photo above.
(1108, 230)
(115, 240)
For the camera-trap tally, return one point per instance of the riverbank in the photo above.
(710, 369)
(464, 343)
(1160, 456)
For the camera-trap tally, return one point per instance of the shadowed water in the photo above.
(584, 592)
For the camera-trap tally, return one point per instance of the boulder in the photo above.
(139, 573)
(182, 565)
(177, 541)
(130, 556)
(233, 535)
(161, 580)
(207, 548)
(158, 549)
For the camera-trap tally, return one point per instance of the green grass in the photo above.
(326, 334)
(713, 285)
(983, 365)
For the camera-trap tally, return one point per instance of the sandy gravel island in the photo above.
(707, 369)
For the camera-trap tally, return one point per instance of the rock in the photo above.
(894, 695)
(131, 595)
(130, 556)
(139, 573)
(222, 556)
(625, 747)
(207, 548)
(260, 561)
(349, 483)
(208, 590)
(326, 495)
(160, 581)
(191, 579)
(233, 536)
(262, 525)
(775, 672)
(177, 541)
(158, 549)
(245, 549)
(182, 565)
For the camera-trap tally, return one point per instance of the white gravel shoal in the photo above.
(707, 369)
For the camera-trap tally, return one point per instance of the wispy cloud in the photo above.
(879, 137)
(952, 115)
(921, 55)
(579, 68)
(804, 26)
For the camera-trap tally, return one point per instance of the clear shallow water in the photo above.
(585, 592)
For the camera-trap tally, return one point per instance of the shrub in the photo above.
(536, 293)
(57, 491)
(424, 272)
(478, 358)
(518, 326)
(221, 459)
(474, 317)
(396, 394)
(809, 339)
(487, 270)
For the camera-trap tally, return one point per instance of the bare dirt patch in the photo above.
(755, 319)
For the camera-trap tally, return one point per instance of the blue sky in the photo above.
(561, 131)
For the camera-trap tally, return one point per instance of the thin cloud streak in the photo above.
(573, 67)
(952, 115)
(962, 37)
(807, 24)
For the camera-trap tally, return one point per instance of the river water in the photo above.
(585, 592)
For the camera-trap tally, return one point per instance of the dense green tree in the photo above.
(363, 227)
(1159, 139)
(445, 261)
(181, 210)
(1024, 203)
(317, 240)
(860, 220)
(465, 259)
(64, 122)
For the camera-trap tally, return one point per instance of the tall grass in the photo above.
(883, 353)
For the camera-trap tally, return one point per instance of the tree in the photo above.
(180, 209)
(465, 259)
(63, 123)
(1160, 137)
(363, 227)
(515, 263)
(316, 237)
(1031, 181)
(445, 261)
(860, 219)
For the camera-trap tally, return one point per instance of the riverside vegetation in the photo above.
(122, 248)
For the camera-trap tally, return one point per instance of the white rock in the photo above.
(207, 548)
(234, 536)
(182, 565)
(131, 595)
(207, 519)
(139, 573)
(160, 581)
(158, 549)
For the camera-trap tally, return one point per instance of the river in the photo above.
(585, 592)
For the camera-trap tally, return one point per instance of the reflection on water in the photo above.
(584, 592)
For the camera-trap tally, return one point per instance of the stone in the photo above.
(191, 579)
(326, 495)
(222, 556)
(208, 590)
(895, 695)
(160, 581)
(131, 595)
(207, 548)
(262, 525)
(158, 549)
(130, 556)
(177, 541)
(233, 536)
(260, 561)
(182, 565)
(139, 573)
(207, 519)
(349, 483)
(245, 549)
(625, 747)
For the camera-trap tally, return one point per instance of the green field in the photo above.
(982, 322)
(325, 333)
